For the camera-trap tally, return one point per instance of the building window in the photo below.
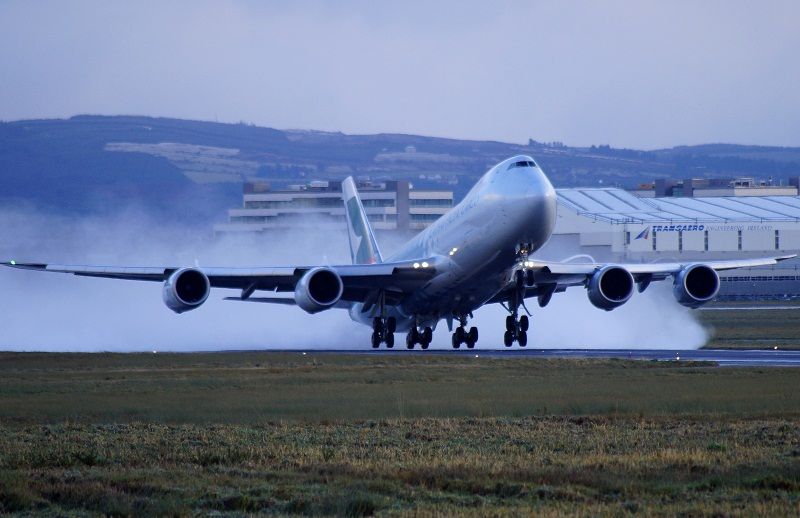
(739, 236)
(430, 202)
(680, 241)
(705, 240)
(654, 241)
(777, 240)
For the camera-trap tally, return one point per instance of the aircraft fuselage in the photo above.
(476, 244)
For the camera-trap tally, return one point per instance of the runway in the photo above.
(723, 357)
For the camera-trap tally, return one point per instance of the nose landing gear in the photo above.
(517, 326)
(462, 336)
(383, 331)
(423, 337)
(516, 330)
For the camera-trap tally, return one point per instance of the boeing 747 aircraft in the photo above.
(481, 252)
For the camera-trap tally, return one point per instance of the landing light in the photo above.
(416, 265)
(13, 262)
(425, 264)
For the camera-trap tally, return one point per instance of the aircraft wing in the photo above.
(360, 281)
(556, 277)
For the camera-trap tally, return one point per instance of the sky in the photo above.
(636, 74)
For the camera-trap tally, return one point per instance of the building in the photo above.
(615, 225)
(709, 187)
(390, 205)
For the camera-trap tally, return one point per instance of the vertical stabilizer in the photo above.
(363, 247)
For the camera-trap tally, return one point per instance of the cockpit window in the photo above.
(523, 163)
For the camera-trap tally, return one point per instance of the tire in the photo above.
(508, 339)
(410, 340)
(473, 335)
(427, 335)
(522, 338)
(523, 323)
(510, 324)
(391, 324)
(376, 340)
(459, 334)
(456, 342)
(424, 345)
(390, 340)
(470, 343)
(377, 325)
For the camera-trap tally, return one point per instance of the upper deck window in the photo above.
(523, 163)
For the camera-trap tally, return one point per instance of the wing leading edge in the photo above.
(556, 277)
(359, 280)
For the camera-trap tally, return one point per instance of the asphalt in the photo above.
(723, 357)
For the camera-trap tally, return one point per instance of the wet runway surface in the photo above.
(723, 357)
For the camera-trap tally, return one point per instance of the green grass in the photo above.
(331, 434)
(752, 329)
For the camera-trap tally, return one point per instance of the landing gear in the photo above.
(383, 331)
(516, 330)
(517, 326)
(423, 337)
(462, 336)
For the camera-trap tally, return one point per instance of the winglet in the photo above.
(363, 247)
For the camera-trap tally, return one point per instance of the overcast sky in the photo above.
(630, 74)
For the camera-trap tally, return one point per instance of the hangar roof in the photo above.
(620, 206)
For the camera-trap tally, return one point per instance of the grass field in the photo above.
(752, 329)
(283, 433)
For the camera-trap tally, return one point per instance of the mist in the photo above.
(57, 312)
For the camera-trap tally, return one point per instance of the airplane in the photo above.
(480, 252)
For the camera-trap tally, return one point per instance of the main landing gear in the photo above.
(415, 336)
(462, 336)
(383, 331)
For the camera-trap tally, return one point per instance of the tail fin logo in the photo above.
(644, 234)
(362, 254)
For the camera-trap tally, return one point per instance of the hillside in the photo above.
(194, 169)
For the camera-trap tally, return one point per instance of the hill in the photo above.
(194, 169)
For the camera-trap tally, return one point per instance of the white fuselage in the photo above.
(475, 246)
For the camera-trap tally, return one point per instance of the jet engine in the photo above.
(186, 289)
(695, 285)
(318, 289)
(610, 287)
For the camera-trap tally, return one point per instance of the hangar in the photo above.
(615, 225)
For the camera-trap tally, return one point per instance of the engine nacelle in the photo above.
(610, 287)
(318, 289)
(186, 289)
(695, 285)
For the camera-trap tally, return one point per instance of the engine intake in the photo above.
(610, 287)
(318, 289)
(695, 285)
(186, 289)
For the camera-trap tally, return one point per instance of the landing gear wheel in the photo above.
(523, 323)
(511, 324)
(508, 339)
(389, 340)
(427, 336)
(456, 341)
(376, 340)
(391, 325)
(410, 340)
(473, 335)
(470, 343)
(424, 345)
(377, 325)
(522, 338)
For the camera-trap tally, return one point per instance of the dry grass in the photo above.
(261, 433)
